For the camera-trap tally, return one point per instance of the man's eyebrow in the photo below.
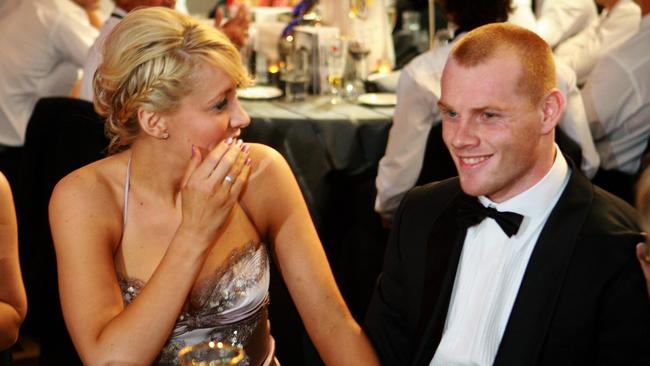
(442, 105)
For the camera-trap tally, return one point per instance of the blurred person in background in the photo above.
(554, 20)
(618, 21)
(235, 28)
(44, 44)
(617, 101)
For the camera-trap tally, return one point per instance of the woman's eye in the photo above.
(221, 105)
(489, 115)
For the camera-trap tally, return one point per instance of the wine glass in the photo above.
(335, 51)
(211, 354)
(359, 49)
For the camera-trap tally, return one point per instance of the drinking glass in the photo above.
(335, 51)
(296, 75)
(359, 49)
(211, 354)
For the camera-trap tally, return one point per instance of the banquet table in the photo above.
(321, 141)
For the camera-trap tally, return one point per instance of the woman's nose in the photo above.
(239, 118)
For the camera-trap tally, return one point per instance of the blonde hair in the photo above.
(149, 61)
(535, 56)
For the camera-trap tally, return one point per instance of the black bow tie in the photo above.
(471, 212)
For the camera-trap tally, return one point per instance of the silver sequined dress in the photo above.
(228, 306)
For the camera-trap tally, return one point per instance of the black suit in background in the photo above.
(582, 299)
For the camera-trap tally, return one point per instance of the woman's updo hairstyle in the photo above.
(149, 61)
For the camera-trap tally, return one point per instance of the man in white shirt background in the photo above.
(617, 22)
(44, 44)
(554, 20)
(520, 260)
(617, 101)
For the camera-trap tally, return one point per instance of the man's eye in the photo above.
(451, 114)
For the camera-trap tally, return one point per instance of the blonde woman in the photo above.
(13, 301)
(166, 242)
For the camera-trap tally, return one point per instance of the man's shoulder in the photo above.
(432, 196)
(611, 214)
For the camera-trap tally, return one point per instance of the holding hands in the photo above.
(211, 186)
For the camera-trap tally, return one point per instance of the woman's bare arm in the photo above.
(13, 301)
(273, 194)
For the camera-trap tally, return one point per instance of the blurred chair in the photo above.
(62, 135)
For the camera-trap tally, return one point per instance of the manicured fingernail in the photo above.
(193, 150)
(229, 141)
(248, 161)
(239, 142)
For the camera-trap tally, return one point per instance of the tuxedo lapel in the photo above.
(444, 246)
(539, 291)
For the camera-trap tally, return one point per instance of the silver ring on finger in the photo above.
(228, 179)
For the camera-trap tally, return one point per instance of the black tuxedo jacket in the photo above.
(582, 300)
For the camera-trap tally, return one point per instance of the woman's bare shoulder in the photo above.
(265, 160)
(271, 186)
(269, 170)
(90, 190)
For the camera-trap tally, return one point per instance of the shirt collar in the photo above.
(535, 201)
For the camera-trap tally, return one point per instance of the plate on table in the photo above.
(259, 92)
(378, 99)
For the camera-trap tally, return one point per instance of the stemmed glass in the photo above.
(359, 49)
(335, 50)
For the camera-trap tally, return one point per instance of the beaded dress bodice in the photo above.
(230, 305)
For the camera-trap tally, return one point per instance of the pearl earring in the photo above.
(165, 136)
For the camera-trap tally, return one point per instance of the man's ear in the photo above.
(153, 124)
(552, 110)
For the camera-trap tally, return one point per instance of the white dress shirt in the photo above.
(44, 43)
(417, 111)
(617, 101)
(95, 54)
(574, 121)
(490, 272)
(608, 31)
(554, 20)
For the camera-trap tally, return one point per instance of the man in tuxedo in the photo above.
(519, 260)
